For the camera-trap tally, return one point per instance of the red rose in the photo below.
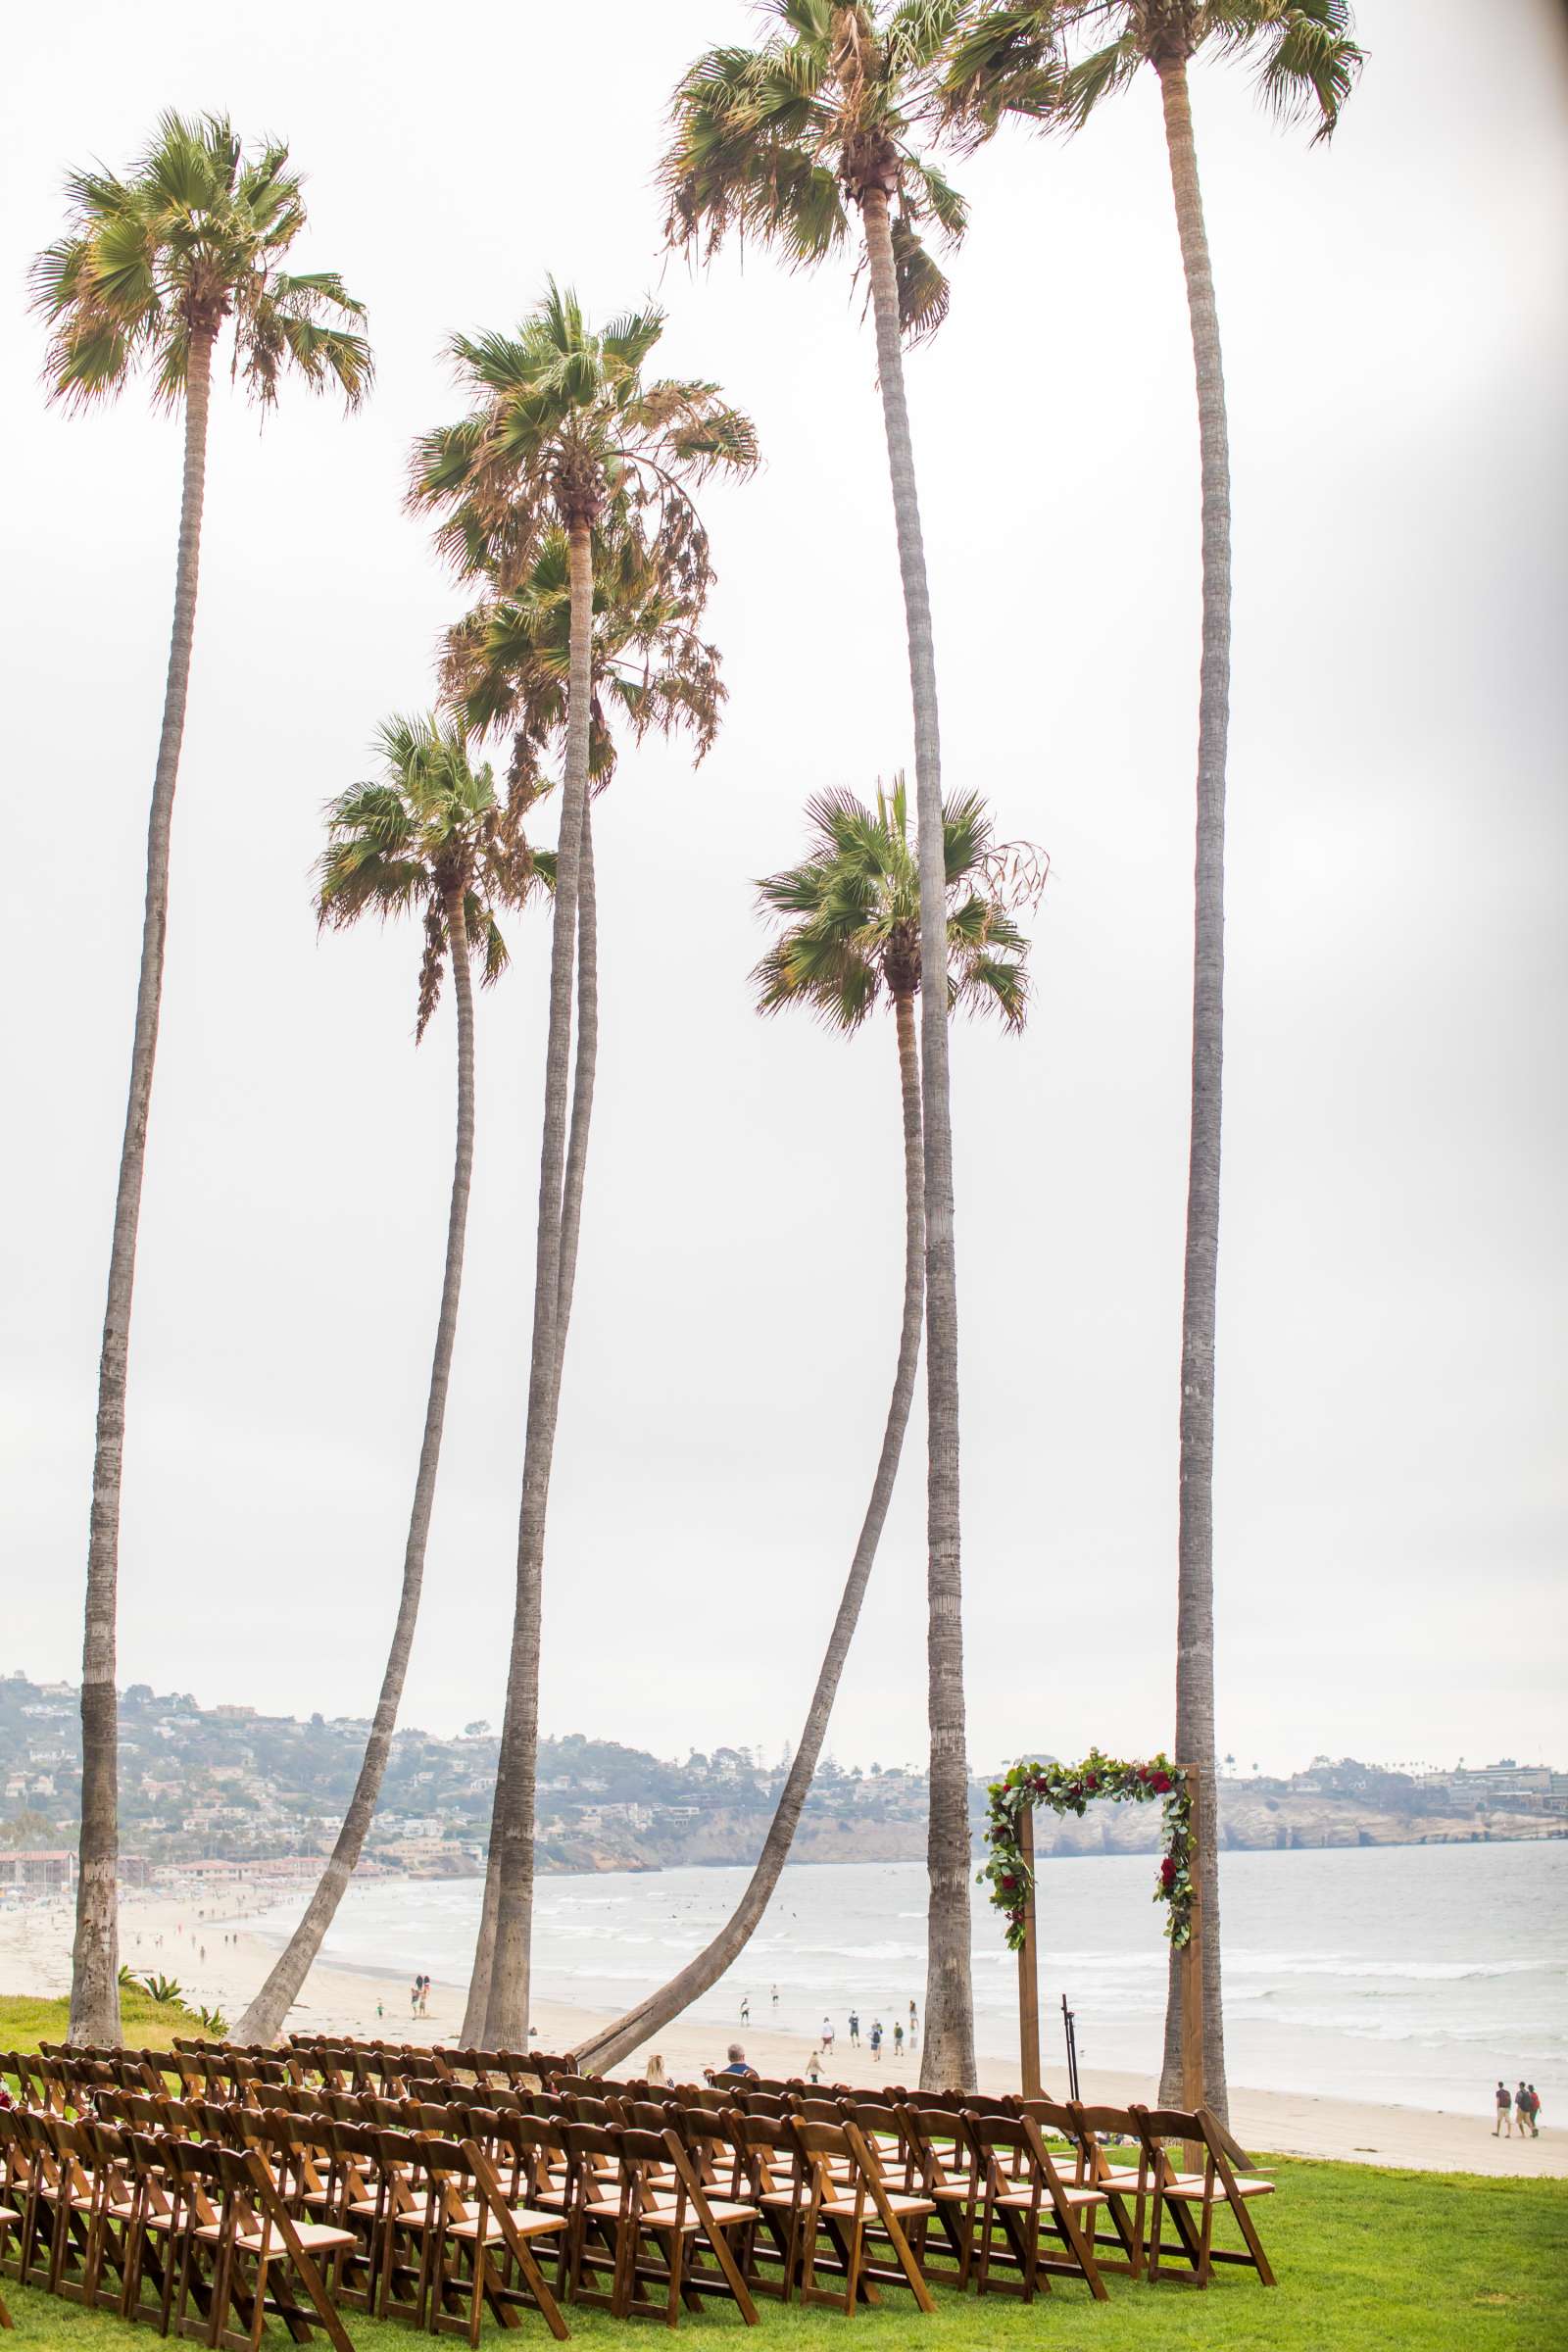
(1008, 1884)
(1168, 1874)
(1160, 1783)
(1090, 1785)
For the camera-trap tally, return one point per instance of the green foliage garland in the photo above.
(1071, 1789)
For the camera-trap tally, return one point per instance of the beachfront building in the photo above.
(39, 1873)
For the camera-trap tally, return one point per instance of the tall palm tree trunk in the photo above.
(582, 1097)
(512, 1820)
(1195, 1601)
(95, 1959)
(263, 2021)
(948, 2059)
(608, 2047)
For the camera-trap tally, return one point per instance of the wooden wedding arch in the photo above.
(1010, 1875)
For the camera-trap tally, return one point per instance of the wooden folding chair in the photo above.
(255, 2256)
(665, 2223)
(158, 2221)
(770, 2172)
(943, 2164)
(1035, 2210)
(1191, 2200)
(482, 2246)
(847, 2202)
(1125, 2185)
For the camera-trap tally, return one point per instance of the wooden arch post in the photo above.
(1191, 1973)
(1028, 1965)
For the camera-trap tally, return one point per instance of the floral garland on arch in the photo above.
(1072, 1789)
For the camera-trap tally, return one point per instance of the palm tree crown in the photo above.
(851, 912)
(195, 235)
(429, 829)
(562, 428)
(507, 663)
(775, 142)
(1054, 61)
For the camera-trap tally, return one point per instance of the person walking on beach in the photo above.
(414, 1998)
(827, 2036)
(914, 2025)
(814, 2067)
(854, 2028)
(876, 2042)
(1504, 2122)
(898, 2039)
(1524, 2107)
(746, 2009)
(776, 1996)
(424, 1994)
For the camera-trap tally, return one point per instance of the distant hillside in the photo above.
(228, 1783)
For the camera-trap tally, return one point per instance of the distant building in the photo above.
(40, 1872)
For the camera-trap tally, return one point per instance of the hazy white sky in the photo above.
(1393, 1479)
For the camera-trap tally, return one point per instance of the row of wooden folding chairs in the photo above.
(1008, 2177)
(1153, 2213)
(190, 2236)
(655, 2207)
(1011, 2209)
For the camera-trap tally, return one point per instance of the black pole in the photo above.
(1069, 2024)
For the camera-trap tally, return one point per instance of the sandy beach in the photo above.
(203, 1941)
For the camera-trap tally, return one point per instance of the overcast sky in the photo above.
(1391, 1473)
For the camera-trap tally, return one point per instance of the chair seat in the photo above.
(948, 2192)
(1191, 2189)
(842, 2208)
(1020, 2198)
(316, 2237)
(8, 2219)
(662, 2217)
(525, 2222)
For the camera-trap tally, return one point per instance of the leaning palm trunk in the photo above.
(948, 2060)
(1195, 1602)
(263, 2021)
(506, 2010)
(608, 2048)
(582, 1097)
(95, 1960)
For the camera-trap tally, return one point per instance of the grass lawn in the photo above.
(146, 2024)
(1368, 2262)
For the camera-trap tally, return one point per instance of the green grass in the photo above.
(1368, 2261)
(145, 2024)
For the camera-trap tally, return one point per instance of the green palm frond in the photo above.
(428, 831)
(562, 428)
(775, 143)
(1055, 62)
(505, 664)
(195, 234)
(848, 916)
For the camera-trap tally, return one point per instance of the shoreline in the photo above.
(188, 1938)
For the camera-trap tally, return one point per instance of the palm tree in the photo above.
(563, 433)
(430, 838)
(506, 666)
(850, 913)
(149, 270)
(777, 144)
(1053, 64)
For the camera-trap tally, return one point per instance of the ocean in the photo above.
(1409, 1975)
